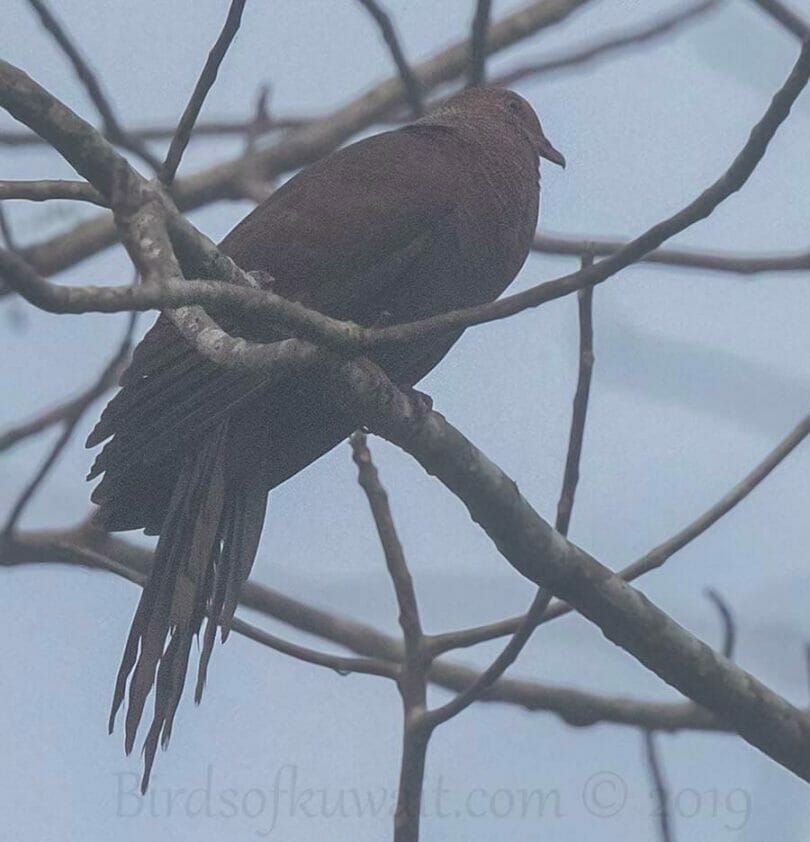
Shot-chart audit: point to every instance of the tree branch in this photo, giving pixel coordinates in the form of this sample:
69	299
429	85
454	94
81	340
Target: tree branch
729	627
541	601
311	141
546	558
595	49
40	191
112	128
786	16
412	677
662	796
369	481
576	436
652	560
204	83
731	181
85	546
410	83
71	408
740	264
478	42
71	414
204	128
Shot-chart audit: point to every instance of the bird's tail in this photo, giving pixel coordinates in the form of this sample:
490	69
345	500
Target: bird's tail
207	545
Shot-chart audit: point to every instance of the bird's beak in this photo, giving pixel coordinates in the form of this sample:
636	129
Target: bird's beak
548	152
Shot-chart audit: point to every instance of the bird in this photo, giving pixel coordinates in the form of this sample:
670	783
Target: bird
423	219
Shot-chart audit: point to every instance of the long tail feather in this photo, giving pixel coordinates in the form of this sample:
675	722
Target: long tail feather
207	545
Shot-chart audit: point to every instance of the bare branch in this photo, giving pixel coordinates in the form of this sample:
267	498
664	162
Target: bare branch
412	677
413	91
7	236
85	546
203	128
173	293
498	667
595	49
40	191
576	437
731	181
6	233
701	207
310	142
729	627
741	264
541	601
204	83
67	410
112	128
657	556
339	663
652	560
369	481
662	796
542	555
478	42
787	17
69	419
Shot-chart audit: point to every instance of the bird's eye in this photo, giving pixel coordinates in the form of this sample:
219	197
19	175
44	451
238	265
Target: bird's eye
514	105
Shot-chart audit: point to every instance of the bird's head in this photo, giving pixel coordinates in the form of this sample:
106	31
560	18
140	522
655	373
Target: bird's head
488	105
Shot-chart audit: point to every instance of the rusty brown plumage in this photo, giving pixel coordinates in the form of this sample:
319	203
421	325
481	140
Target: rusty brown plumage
434	216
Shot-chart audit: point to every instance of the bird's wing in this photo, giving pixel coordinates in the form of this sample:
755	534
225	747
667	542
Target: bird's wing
341	231
336	237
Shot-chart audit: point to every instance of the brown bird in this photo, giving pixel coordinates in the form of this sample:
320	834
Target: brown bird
428	218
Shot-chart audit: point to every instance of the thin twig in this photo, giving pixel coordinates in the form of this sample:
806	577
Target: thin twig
339	663
413	91
56	415
45	189
541	601
478	42
731	181
204	83
740	264
595	49
576	435
727	618
498	667
205	128
662	796
253	185
112	128
6	233
412	677
658	555
7	238
786	16
69	420
651	560
82	546
369	481
314	140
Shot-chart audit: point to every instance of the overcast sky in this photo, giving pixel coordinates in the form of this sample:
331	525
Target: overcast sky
697	376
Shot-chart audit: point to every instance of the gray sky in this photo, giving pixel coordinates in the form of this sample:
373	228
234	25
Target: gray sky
697	376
